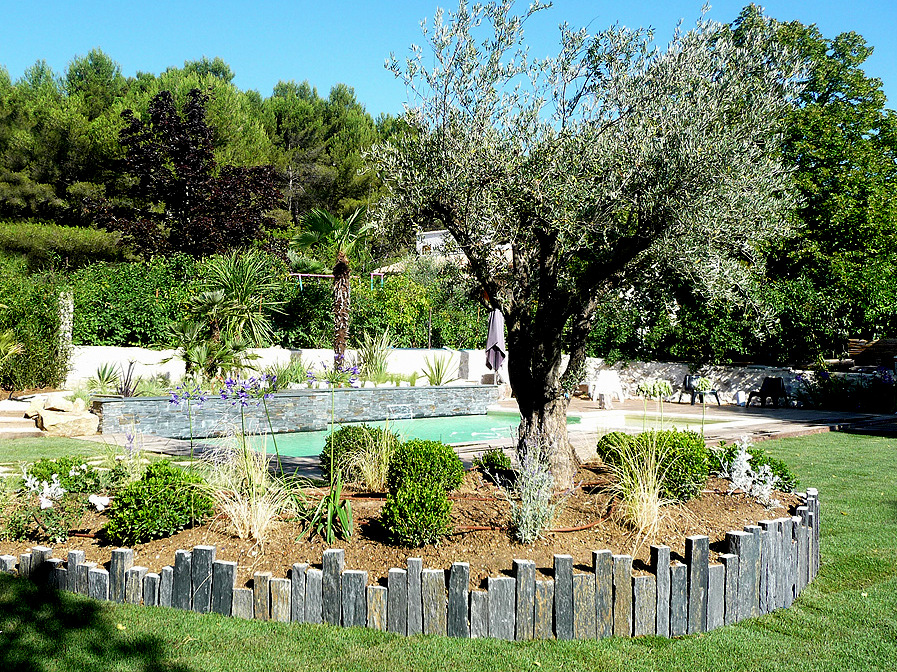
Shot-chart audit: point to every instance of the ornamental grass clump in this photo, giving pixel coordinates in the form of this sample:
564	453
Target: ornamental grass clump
360	453
685	465
245	492
639	469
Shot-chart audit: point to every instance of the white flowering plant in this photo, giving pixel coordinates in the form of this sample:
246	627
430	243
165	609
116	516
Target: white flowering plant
41	509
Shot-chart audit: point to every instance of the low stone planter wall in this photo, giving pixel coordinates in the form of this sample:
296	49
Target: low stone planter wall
766	568
292	410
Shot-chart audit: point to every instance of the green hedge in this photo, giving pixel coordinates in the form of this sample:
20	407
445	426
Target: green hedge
45	244
130	303
29	305
420	310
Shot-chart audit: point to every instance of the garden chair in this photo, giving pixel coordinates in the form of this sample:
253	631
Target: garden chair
772	388
607	383
689	387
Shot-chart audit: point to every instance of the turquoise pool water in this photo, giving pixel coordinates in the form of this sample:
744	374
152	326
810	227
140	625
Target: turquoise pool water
493	426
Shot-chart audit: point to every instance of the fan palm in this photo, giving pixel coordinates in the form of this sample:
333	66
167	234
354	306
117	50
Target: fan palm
338	238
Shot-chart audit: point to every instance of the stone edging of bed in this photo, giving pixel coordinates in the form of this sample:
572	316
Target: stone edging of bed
766	568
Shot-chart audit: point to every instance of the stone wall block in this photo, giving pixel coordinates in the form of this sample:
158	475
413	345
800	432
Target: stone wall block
622	595
525	574
660	566
501	606
458	590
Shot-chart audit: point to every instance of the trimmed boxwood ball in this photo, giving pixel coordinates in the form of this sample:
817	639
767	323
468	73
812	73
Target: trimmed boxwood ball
164	501
421	463
686	466
415	516
347	440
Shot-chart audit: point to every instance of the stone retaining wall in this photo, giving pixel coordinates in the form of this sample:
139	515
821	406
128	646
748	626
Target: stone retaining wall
766	568
291	411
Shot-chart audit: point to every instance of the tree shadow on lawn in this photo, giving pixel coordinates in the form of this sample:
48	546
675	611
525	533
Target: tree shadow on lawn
43	629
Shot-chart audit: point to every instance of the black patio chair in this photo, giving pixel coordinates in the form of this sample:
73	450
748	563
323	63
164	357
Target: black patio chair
772	388
688	386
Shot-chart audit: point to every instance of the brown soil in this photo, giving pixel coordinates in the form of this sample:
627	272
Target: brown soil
476	503
15	394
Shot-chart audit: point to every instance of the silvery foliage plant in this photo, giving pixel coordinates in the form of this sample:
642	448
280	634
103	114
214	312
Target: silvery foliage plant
533	509
758	484
567	180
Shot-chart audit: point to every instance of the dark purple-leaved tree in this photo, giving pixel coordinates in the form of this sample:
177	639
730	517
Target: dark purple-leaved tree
179	199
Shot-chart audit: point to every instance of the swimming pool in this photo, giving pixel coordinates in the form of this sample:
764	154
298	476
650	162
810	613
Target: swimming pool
489	428
493	426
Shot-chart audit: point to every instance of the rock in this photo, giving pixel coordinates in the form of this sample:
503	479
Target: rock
58	402
67	424
34	408
79	406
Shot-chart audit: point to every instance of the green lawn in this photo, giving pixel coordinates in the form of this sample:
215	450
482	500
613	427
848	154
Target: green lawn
29	450
844	621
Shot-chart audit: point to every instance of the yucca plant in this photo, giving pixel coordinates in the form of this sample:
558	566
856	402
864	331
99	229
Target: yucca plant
373	354
437	370
105	380
8	346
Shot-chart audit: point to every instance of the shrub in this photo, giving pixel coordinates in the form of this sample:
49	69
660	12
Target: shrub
492	459
75	474
165	500
724	455
46	244
685	464
424	464
350	440
534	486
25	518
496	467
416	515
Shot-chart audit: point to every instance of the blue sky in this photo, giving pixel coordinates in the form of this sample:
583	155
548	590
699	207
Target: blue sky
331	42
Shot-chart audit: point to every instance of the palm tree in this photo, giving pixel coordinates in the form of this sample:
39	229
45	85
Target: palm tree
338	238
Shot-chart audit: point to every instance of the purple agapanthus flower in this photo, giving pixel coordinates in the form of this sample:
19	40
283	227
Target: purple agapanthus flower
186	393
338	375
244	391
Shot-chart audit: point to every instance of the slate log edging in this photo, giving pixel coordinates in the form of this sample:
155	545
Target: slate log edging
766	568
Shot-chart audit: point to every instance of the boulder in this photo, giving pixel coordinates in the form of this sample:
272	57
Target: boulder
34	409
55	423
79	406
58	402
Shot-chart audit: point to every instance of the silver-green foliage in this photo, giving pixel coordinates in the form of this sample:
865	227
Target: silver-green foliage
532	508
588	170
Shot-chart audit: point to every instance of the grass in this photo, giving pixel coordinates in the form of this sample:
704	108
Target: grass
843	621
30	450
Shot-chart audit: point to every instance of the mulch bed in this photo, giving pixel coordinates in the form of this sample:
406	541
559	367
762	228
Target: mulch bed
589	514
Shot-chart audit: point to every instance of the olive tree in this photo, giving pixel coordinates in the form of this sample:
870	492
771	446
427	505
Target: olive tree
564	179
